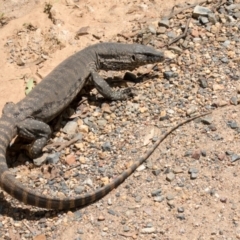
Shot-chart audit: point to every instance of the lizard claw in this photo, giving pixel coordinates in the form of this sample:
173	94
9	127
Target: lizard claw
127	93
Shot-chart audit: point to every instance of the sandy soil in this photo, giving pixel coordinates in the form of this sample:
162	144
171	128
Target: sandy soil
77	24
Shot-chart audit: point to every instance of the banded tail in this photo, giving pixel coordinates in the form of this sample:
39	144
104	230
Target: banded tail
23	194
27	196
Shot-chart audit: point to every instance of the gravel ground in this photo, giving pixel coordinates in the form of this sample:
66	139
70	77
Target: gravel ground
188	188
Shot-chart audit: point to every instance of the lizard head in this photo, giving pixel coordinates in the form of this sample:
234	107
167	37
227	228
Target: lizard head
119	56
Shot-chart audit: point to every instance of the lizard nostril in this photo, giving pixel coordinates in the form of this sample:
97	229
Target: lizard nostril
133	58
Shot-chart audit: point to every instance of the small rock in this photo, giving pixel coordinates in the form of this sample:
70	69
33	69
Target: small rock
193	170
203	20
217	87
181	216
169	74
79	189
88	182
112	212
193	175
177	170
156	172
170	176
152	29
171	204
170	55
180	209
53	158
107	146
170	197
234	100
237	15
148	230
196	154
101	218
164	23
201	11
207	120
19	62
212	18
70	128
41	160
126	229
161	30
204	153
70	159
232	124
235	157
221	156
221	39
158	199
141	168
223	199
156	192
203	83
83	128
40	237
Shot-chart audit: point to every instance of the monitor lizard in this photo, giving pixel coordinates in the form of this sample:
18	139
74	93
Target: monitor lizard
29	117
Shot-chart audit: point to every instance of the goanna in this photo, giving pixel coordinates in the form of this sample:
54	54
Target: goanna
29	117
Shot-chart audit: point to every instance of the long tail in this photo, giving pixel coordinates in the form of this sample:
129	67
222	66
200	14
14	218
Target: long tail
23	194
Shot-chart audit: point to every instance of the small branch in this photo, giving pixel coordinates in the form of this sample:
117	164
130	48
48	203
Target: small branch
172	14
61	144
182	35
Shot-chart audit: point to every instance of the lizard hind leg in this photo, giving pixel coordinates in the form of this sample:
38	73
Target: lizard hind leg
36	131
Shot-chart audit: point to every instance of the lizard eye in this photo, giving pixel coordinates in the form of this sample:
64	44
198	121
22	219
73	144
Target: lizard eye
133	58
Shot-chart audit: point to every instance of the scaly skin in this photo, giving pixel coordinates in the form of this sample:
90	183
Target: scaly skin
54	94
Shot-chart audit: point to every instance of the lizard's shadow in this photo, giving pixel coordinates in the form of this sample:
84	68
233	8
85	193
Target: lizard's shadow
18	213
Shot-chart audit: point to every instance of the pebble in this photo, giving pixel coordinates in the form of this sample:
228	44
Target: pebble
193	175
181	216
53	158
148	230
70	159
88	182
141	168
177	170
232	124
203	83
201	11
234	100
170	176
207	120
158	198
170	196
79	189
161	30
180	209
235	157
70	128
156	192
126	229
164	23
107	146
101	218
83	129
196	154
41	160
156	172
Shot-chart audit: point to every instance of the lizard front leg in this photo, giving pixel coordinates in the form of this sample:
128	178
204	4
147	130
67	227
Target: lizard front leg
36	131
104	89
